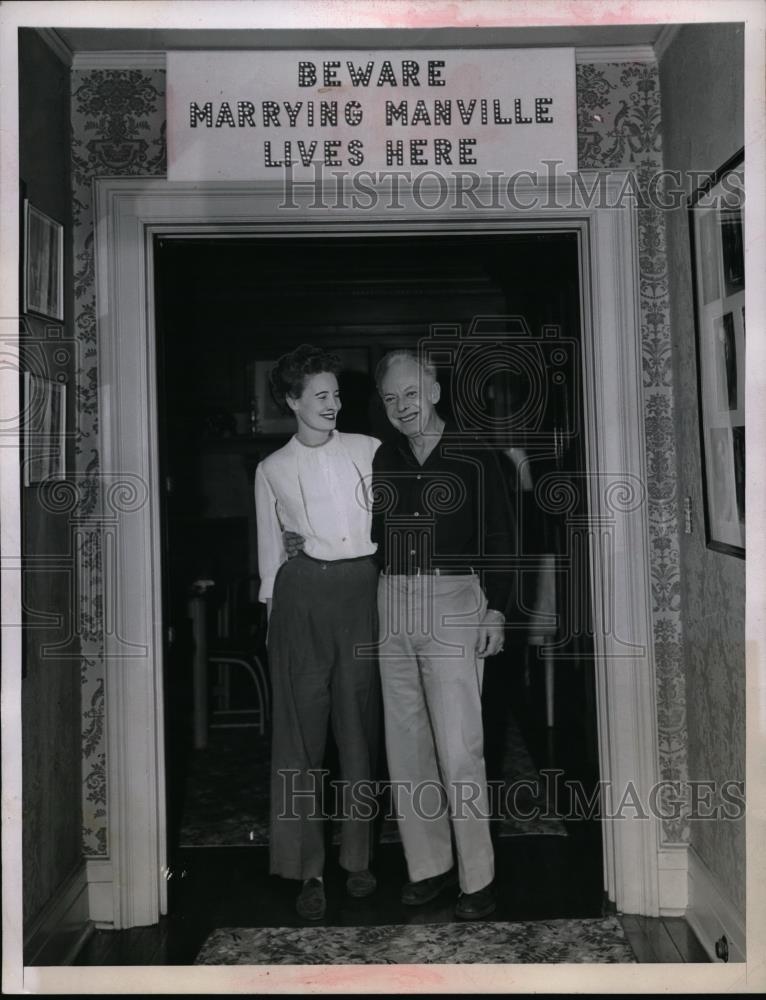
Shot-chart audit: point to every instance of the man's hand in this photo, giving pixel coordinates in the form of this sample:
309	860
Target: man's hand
293	543
491	637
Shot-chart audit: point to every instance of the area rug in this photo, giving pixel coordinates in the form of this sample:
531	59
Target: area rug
548	941
227	793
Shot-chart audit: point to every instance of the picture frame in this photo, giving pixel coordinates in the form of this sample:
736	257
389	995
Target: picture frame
43	264
718	281
44	423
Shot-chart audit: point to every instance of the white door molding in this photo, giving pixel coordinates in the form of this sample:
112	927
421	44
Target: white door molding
129	214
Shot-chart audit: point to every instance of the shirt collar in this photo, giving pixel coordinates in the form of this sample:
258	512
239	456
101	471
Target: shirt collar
403	445
315	449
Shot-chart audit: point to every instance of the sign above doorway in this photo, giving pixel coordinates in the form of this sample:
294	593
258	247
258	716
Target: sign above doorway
256	115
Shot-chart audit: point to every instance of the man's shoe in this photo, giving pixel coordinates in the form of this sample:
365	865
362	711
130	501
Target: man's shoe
475	905
361	884
311	903
417	893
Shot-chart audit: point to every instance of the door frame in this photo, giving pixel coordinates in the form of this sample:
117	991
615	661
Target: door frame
129	214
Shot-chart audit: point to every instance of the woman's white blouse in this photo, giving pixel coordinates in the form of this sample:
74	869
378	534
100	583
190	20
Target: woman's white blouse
322	493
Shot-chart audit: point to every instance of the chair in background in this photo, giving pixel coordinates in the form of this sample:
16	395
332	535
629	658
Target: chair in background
228	628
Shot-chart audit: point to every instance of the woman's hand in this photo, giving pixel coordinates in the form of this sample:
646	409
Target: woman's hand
491	637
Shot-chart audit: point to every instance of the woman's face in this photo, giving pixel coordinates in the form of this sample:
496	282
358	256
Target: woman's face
319	403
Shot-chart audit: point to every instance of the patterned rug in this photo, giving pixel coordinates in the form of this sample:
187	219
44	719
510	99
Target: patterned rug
548	941
227	793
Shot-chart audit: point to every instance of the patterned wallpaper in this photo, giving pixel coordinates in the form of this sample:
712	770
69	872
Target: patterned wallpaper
118	128
618	109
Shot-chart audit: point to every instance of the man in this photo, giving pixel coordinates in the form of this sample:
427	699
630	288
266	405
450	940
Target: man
441	512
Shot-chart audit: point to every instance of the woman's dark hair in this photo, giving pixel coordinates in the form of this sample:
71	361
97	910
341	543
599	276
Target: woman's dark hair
288	376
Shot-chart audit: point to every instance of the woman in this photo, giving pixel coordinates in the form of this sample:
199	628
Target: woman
322	610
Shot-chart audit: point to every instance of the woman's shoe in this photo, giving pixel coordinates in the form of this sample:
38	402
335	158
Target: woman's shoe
361	884
311	903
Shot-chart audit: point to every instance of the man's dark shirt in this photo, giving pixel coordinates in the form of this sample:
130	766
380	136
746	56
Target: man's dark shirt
454	512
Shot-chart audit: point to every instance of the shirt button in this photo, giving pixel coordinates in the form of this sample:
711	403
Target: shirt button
412	552
419	477
416	514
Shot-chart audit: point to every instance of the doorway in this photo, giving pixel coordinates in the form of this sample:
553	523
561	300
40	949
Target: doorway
225	309
130	214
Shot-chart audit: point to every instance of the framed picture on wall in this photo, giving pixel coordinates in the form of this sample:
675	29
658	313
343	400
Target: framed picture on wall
44	421
718	272
43	266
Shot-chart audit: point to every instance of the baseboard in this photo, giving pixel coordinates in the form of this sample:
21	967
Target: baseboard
101	892
56	935
711	914
673	871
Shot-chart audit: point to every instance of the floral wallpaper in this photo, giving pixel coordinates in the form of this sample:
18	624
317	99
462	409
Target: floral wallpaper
618	111
118	127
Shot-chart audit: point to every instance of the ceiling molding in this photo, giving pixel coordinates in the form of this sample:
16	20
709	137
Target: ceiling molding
119	59
615	53
664	39
56	44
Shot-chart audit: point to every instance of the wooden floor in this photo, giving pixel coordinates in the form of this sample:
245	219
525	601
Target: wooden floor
663	939
538	878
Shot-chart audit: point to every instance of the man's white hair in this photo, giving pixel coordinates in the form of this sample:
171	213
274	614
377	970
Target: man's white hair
402	354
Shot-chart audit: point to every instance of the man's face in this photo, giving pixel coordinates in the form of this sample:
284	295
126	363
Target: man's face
319	403
409	396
